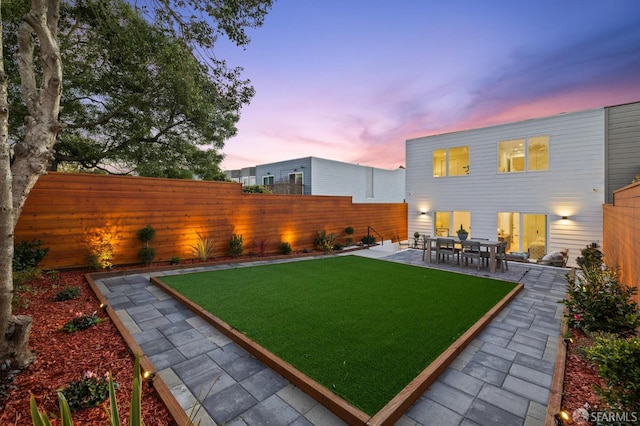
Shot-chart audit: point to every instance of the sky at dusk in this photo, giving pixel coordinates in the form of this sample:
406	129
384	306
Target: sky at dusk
352	80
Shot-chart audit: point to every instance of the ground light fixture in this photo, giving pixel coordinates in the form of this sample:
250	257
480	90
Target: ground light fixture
563	418
149	376
104	307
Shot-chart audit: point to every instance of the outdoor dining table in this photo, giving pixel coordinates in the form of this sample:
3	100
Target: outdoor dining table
489	244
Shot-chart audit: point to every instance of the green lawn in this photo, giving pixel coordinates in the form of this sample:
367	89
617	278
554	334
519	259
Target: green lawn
363	328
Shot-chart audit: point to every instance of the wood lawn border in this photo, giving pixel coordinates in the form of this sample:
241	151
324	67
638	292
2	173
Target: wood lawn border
391	412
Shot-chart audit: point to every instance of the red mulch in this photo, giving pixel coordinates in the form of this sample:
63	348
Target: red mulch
61	358
579	379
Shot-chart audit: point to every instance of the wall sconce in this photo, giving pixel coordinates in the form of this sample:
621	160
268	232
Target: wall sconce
423	213
564	217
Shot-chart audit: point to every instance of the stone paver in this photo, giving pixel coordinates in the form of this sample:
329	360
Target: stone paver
502	377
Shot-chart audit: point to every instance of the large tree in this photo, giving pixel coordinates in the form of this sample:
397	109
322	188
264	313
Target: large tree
197	23
156	110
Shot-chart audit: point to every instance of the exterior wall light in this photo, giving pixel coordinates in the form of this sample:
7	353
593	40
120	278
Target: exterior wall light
564	217
423	213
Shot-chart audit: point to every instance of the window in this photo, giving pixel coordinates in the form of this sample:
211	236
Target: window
524	232
296	183
448	223
451	161
521	155
268	180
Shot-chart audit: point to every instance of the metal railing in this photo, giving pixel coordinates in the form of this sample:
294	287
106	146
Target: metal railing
369	229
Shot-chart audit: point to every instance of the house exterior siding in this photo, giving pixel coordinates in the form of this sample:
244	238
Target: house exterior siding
572	186
327	177
623	146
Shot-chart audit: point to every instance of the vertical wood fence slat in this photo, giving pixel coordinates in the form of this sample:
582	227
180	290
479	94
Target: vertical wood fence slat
621	233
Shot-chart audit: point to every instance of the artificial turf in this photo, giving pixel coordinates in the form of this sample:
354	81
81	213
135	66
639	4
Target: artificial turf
363	328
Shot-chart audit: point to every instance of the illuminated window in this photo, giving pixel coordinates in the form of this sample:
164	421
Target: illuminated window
448	223
524	232
451	162
521	155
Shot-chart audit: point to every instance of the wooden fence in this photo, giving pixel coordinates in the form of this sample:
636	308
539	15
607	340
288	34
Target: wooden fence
68	211
621	233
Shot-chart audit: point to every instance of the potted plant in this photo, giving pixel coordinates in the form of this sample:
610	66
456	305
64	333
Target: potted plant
462	233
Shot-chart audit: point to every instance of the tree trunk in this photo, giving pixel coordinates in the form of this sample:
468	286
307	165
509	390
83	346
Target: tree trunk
6	213
30	156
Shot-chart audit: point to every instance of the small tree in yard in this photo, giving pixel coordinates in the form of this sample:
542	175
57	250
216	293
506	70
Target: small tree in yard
22	162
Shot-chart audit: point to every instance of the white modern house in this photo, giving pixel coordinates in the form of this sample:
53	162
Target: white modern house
318	176
539	184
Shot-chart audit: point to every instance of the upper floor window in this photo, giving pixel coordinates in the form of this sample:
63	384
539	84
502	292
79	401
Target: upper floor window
522	155
451	161
268	180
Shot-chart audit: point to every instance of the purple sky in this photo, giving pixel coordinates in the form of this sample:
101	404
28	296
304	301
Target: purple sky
352	80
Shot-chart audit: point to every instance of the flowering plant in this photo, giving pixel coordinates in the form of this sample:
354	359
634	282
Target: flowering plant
90	391
82	322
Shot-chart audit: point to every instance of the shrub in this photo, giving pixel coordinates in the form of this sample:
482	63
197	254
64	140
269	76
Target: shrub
146	235
28	254
324	241
349	231
285	248
82	322
175	260
205	247
67	293
597	301
89	391
101	243
147	254
256	189
368	239
261	244
337	247
236	245
618	362
591	257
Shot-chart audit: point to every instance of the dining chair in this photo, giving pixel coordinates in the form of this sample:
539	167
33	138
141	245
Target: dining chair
445	247
470	250
501	256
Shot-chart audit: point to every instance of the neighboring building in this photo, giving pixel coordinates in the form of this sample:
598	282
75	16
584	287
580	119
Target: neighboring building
538	184
317	176
246	176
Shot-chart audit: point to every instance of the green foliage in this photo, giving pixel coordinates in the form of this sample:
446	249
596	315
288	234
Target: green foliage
82	322
101	243
461	230
28	254
40	417
21	288
285	248
349	231
618	362
256	189
147	254
591	257
337	247
165	113
324	241
205	246
597	301
89	391
67	293
175	260
236	245
368	239
146	234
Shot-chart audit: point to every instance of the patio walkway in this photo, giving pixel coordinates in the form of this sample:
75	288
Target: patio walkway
502	377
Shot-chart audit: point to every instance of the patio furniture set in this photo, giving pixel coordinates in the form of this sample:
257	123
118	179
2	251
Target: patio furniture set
454	250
